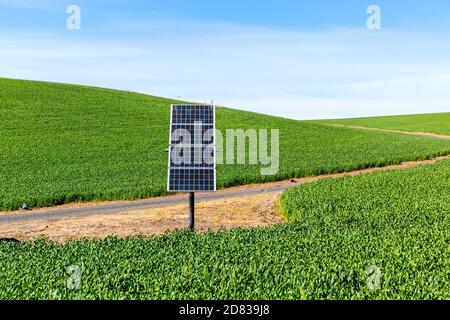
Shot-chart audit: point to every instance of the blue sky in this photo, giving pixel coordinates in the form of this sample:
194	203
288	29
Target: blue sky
298	59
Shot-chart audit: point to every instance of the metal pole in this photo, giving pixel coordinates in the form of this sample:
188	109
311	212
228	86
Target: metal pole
191	211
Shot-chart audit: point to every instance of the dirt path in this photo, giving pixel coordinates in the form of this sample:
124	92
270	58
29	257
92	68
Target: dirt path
253	211
422	134
245	206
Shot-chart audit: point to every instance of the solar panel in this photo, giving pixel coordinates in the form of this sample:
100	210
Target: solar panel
192	163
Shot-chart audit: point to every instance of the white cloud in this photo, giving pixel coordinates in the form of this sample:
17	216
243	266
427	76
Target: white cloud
332	73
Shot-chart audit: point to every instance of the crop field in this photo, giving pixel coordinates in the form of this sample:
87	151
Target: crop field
438	123
338	231
65	143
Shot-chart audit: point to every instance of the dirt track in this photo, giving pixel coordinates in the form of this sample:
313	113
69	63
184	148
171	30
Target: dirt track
246	206
422	134
254	211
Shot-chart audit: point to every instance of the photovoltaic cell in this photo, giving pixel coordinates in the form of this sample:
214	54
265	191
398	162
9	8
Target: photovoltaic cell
192	149
189	114
191	180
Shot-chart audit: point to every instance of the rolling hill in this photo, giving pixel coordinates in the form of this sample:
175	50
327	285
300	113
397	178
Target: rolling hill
66	143
63	143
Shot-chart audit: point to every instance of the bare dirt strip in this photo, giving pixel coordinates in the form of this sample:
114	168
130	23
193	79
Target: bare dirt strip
246	206
413	133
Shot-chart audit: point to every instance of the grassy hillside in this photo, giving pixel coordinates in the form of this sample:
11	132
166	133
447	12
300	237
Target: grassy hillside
433	123
398	221
64	143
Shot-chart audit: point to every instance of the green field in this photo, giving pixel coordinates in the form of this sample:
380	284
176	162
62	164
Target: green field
398	221
438	123
65	143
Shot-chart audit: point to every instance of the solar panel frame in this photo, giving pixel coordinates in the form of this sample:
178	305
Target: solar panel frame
173	186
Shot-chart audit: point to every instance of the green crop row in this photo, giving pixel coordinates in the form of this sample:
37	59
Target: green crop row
394	226
64	143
